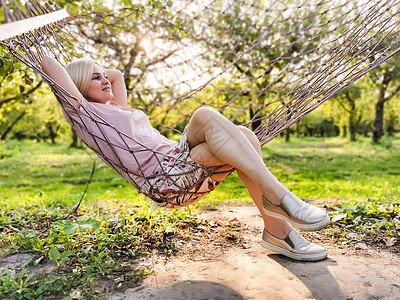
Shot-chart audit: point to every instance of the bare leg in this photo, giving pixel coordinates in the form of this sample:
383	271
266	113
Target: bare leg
202	155
277	227
230	145
218	142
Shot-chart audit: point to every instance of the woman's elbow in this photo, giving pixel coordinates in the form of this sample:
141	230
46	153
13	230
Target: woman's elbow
45	60
48	63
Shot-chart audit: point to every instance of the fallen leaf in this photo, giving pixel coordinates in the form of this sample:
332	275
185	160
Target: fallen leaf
390	241
339	217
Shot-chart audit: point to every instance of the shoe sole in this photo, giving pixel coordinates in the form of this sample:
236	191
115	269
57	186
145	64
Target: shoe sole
306	227
296	256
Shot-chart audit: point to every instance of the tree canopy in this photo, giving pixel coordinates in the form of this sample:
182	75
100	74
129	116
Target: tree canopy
177	56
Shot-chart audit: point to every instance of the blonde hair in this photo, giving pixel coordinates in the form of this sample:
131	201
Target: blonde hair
81	72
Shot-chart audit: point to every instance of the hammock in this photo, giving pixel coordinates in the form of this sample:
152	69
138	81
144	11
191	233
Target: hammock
353	38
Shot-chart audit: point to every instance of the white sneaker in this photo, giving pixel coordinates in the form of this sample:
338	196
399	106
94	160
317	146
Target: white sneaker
294	246
300	214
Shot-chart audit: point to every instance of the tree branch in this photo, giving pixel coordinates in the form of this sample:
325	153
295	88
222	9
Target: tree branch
8	129
393	94
24	95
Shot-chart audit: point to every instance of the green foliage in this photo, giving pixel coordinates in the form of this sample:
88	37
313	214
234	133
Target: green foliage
316	124
29	286
27	108
369	216
6	65
87	250
247	85
355	221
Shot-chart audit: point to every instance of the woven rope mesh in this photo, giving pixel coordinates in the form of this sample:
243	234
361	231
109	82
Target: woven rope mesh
264	64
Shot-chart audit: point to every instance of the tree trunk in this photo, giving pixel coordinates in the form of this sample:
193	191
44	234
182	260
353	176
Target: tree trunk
52	131
256	123
352	128
287	135
75	140
298	129
390	123
344	131
378	122
8	129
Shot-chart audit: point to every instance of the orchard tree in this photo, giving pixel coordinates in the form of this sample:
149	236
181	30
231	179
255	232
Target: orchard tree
386	79
17	86
349	100
260	46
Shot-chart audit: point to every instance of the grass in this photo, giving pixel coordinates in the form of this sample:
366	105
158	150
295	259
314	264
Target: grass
328	169
334	168
41	183
55	175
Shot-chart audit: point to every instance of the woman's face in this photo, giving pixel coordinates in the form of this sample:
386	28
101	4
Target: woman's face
99	87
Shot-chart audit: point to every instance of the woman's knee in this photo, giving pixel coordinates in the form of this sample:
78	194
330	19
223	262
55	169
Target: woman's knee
203	114
200	123
253	139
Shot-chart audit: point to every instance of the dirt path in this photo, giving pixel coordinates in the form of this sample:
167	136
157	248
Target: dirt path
252	272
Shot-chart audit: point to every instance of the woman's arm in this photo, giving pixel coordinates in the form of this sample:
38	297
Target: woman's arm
116	79
58	73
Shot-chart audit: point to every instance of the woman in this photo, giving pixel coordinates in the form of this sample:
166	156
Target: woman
210	141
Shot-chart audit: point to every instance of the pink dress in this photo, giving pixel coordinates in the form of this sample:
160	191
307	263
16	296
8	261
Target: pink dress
124	139
136	147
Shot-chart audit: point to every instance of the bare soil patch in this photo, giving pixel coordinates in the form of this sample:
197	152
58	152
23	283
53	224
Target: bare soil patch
224	260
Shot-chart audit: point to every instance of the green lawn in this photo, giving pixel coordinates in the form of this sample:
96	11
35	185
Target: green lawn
41	183
334	168
37	174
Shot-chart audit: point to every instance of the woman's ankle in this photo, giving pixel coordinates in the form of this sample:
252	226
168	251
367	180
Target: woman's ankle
275	199
280	232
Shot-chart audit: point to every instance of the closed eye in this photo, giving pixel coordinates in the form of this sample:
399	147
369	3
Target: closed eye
98	77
